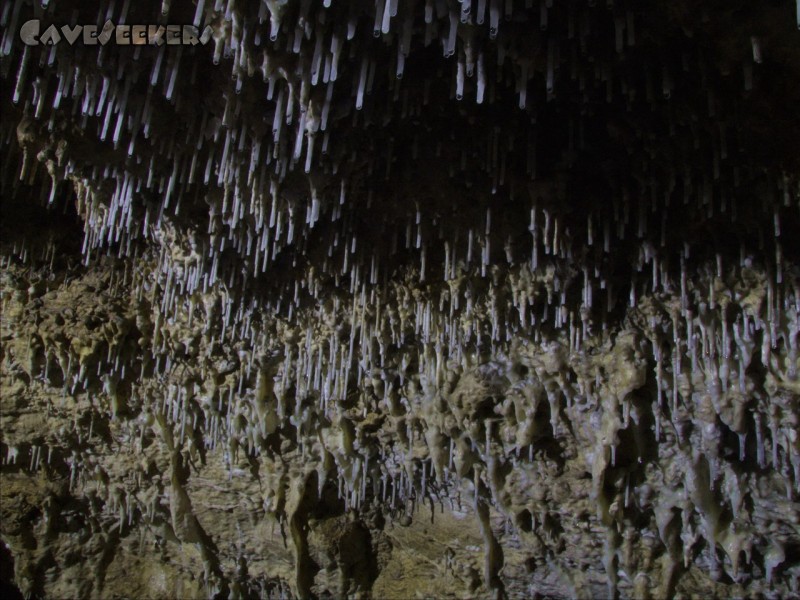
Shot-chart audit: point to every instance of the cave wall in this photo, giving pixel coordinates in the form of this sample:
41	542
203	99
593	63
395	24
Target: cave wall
380	299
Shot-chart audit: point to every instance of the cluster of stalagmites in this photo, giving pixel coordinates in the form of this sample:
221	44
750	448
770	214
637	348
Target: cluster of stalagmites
689	447
515	256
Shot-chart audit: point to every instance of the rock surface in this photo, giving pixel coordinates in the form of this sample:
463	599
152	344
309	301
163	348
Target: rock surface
403	299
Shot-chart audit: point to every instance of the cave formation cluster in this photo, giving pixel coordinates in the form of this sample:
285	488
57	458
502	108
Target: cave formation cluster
381	298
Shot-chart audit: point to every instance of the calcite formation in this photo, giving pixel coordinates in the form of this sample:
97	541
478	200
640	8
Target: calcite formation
402	298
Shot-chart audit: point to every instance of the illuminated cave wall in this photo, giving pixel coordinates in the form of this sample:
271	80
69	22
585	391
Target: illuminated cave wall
489	298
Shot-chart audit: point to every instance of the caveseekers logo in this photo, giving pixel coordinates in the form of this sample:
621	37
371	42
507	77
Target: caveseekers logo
32	34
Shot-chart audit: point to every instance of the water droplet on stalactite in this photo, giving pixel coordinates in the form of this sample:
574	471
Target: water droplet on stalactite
494	18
